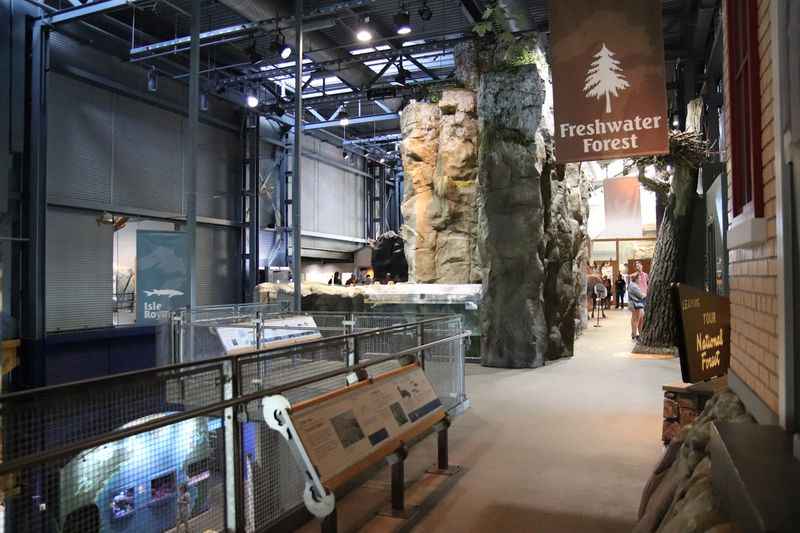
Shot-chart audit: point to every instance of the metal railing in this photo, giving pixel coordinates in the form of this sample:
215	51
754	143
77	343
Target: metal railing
185	444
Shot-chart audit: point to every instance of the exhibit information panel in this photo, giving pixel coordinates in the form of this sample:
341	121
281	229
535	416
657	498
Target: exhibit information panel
347	428
705	333
275	333
609	91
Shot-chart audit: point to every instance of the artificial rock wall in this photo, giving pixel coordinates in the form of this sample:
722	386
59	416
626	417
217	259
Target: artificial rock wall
484	201
439	151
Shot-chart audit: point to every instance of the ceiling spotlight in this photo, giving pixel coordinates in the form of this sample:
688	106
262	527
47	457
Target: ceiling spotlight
401	77
344	118
152	80
363	32
278	46
345	155
383	160
676	122
252	99
425	12
402	23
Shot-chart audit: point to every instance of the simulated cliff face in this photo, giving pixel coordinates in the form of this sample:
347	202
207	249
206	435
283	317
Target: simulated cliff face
532	214
439	151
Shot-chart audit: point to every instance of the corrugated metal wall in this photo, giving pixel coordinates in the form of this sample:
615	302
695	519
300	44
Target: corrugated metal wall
110	152
79	270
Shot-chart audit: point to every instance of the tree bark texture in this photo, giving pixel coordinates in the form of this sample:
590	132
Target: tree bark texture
669	261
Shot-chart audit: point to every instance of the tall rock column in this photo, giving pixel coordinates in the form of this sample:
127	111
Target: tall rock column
419	125
440	153
453	208
514	157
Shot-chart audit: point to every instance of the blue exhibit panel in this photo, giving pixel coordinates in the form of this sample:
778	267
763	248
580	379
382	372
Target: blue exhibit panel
133	484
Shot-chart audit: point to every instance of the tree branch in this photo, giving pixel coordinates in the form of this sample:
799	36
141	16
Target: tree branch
659	187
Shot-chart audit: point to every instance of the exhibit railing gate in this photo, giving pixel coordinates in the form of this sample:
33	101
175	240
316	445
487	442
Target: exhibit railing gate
186	444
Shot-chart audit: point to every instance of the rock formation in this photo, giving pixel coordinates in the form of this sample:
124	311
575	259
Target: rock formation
678	497
440	164
484	201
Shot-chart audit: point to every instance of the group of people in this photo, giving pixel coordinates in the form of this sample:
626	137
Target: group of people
599	291
361	277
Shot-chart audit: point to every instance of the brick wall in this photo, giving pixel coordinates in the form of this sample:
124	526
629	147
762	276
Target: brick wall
753	271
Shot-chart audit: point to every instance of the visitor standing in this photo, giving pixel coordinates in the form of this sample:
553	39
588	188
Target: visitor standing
591	280
644	277
607	283
636	301
620	289
184	505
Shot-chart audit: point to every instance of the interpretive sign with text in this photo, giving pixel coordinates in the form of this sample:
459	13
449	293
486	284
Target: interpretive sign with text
160	274
341	431
705	333
608	79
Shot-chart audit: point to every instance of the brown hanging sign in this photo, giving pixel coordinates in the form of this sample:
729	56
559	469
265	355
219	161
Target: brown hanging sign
609	90
704	332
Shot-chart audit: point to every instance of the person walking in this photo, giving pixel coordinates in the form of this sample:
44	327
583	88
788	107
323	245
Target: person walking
620	291
636	298
184	511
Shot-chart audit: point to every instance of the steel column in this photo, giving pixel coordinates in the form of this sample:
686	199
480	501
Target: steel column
34	215
298	159
190	184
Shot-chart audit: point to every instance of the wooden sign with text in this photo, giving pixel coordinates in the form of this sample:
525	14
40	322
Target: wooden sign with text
610	95
348	429
704	331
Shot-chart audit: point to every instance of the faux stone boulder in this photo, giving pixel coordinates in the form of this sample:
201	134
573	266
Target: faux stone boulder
439	152
515	155
678	497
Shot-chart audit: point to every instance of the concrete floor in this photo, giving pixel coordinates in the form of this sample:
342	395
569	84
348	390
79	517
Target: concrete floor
564	448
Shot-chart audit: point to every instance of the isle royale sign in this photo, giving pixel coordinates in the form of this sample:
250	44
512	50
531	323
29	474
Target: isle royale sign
608	79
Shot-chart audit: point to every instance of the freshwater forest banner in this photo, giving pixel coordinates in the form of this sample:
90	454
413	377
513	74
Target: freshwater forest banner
608	79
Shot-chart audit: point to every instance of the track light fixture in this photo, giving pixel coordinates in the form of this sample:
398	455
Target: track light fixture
401	77
363	31
345	155
152	80
402	21
425	12
203	101
252	98
344	118
279	47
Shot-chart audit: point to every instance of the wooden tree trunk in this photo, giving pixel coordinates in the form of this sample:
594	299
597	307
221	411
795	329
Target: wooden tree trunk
669	261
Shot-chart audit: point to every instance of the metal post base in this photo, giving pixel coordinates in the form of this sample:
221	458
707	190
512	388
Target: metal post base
330	523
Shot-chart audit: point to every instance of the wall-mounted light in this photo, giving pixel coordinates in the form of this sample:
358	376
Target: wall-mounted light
676	121
402	22
152	80
363	31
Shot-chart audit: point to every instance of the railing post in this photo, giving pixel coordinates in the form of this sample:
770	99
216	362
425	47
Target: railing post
232	452
420	342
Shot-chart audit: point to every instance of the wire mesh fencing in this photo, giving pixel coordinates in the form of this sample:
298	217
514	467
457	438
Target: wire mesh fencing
185	447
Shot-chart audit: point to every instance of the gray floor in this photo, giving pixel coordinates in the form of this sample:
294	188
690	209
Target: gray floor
564	448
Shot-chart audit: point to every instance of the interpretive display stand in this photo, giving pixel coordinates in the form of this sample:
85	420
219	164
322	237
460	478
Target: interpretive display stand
337	436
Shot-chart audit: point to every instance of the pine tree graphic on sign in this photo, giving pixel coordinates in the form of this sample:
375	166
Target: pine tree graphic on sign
605	77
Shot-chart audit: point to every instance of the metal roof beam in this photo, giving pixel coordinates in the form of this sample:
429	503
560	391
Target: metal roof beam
355	120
